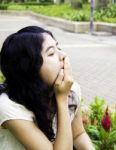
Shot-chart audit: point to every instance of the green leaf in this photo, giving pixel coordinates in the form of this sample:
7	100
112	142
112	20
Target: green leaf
115	147
93	132
97	144
112	137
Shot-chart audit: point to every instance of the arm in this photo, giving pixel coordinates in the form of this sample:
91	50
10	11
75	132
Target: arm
81	140
64	132
62	88
28	134
32	137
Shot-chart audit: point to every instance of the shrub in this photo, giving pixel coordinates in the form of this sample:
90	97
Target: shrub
100	124
3	6
107	13
65	11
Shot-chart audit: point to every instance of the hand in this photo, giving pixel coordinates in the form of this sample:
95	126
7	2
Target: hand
64	80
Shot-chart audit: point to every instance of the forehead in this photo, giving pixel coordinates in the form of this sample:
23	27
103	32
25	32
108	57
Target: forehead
48	41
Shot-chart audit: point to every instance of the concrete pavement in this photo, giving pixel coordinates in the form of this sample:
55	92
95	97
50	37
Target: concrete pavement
93	58
71	26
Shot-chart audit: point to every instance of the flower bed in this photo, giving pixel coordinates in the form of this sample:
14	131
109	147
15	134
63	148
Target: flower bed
100	123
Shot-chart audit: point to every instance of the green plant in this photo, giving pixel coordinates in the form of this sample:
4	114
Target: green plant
113	117
65	11
85	1
107	14
3	6
101	126
96	108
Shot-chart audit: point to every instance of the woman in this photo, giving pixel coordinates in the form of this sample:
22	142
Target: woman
39	98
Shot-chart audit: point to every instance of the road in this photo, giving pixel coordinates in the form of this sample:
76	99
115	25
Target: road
93	58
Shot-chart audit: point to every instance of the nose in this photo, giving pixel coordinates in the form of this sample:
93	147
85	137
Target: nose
62	55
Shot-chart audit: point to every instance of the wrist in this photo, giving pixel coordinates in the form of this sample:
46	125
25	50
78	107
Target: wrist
62	100
62	97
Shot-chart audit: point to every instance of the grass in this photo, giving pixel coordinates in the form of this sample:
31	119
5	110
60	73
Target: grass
65	11
62	10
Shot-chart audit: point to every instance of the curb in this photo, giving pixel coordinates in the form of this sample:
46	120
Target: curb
72	26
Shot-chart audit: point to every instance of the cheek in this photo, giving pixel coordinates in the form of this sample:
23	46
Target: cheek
49	72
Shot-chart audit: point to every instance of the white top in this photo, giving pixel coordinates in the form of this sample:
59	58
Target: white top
12	110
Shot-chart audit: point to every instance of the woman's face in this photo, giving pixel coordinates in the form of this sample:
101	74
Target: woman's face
53	60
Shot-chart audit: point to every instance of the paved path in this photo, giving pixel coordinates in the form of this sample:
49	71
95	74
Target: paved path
93	58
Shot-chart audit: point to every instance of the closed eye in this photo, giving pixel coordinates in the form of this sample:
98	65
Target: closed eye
51	52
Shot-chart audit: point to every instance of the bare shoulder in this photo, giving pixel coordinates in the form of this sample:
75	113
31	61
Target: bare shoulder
28	134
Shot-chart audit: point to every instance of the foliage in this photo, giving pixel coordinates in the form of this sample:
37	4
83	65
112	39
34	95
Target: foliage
65	11
85	1
3	6
108	14
102	139
96	109
26	2
77	16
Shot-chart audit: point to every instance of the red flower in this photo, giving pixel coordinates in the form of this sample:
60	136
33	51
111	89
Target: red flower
106	121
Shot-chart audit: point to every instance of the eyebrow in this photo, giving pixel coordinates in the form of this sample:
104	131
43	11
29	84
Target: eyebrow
50	47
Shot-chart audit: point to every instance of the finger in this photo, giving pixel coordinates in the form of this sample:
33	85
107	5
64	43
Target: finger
59	78
67	69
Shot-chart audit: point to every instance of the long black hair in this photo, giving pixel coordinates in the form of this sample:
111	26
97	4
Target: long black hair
20	61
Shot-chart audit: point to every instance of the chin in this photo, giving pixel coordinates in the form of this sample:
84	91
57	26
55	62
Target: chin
54	80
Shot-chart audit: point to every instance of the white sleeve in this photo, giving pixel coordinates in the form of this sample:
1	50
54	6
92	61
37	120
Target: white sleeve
77	90
12	110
